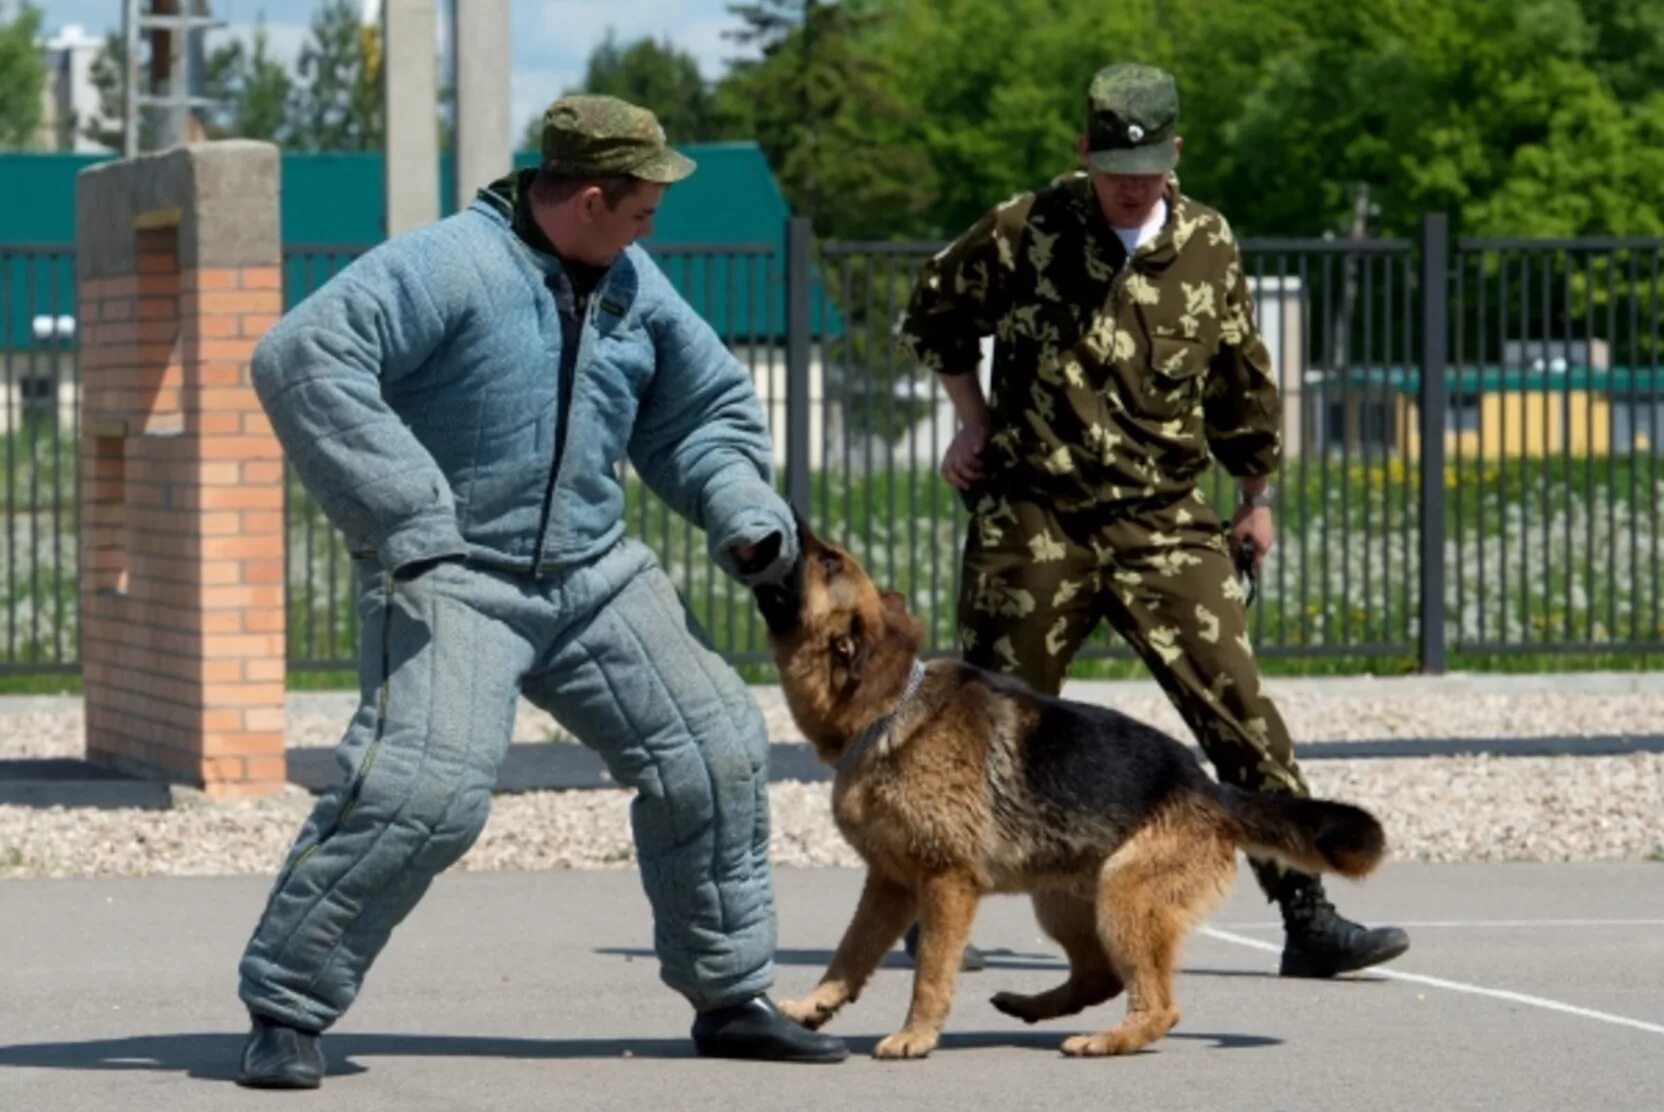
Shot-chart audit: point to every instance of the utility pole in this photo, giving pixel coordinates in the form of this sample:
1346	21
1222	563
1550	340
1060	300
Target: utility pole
410	76
174	38
1358	232
809	109
482	47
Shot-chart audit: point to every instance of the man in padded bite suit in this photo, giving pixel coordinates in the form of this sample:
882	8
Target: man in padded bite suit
457	400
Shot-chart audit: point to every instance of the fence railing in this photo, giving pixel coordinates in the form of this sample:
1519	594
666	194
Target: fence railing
39	432
1472	440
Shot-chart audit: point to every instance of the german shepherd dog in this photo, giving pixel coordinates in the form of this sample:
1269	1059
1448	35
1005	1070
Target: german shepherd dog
953	783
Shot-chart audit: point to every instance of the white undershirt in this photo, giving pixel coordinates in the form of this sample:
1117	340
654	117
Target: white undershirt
1134	238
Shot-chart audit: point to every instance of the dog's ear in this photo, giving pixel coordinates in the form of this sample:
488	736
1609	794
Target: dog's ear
898	621
805	535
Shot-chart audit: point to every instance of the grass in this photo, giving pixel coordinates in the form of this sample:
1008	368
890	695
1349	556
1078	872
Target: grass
40	683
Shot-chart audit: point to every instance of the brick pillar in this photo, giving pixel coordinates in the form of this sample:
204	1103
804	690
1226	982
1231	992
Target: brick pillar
182	649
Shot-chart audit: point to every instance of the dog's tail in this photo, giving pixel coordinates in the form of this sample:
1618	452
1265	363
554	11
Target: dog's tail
1313	835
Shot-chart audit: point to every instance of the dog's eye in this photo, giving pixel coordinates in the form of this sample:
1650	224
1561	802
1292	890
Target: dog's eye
831	563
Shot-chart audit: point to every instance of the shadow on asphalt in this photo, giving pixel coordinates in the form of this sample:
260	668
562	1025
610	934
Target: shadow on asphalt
212	1056
997	960
896	959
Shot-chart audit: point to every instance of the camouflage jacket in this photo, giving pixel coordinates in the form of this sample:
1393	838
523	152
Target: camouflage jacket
1111	382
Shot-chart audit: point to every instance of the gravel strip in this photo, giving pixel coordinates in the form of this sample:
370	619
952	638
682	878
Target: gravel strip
51	726
1435	809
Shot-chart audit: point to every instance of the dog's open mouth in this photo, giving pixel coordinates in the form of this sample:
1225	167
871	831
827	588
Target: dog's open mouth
782	602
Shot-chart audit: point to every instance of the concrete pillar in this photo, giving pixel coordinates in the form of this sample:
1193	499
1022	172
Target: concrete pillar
410	69
183	653
484	145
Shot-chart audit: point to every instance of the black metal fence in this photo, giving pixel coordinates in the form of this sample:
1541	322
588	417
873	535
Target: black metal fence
39	432
1472	445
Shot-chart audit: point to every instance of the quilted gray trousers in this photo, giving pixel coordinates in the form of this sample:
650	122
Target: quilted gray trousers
609	651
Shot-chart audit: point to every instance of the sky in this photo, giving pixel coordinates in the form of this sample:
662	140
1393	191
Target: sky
551	38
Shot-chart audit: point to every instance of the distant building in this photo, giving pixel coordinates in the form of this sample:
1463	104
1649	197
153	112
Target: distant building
69	99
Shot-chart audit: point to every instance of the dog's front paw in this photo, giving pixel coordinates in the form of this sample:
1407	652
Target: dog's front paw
807	1012
906	1044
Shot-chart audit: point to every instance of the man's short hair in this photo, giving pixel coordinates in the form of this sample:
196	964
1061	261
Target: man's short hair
549	189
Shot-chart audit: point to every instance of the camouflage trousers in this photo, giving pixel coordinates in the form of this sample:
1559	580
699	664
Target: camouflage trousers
1035	585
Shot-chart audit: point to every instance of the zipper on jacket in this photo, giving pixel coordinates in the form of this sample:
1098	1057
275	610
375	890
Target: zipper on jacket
571	333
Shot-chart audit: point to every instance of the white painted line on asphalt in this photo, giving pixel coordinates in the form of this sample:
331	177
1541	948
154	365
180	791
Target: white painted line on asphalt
1458	986
1268	925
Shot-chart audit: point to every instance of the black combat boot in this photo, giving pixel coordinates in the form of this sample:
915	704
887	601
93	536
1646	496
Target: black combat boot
972	962
755	1029
1319	943
277	1056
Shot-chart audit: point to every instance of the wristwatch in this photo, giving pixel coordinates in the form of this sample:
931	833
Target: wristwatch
1263	498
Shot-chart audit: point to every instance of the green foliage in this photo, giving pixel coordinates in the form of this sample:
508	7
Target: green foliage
105	128
996	92
1541	117
333	103
22	76
339	102
253	89
821	102
1502	115
909	118
656	75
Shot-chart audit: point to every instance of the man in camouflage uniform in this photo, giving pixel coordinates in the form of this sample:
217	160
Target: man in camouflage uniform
1125	353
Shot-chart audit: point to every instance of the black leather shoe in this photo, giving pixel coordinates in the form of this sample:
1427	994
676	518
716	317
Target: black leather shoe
280	1057
972	962
1319	942
759	1031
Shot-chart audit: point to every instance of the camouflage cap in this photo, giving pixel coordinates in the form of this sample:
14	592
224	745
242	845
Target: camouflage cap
1132	118
599	137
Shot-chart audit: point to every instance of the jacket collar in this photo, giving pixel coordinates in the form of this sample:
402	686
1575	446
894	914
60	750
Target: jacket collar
1155	256
507	203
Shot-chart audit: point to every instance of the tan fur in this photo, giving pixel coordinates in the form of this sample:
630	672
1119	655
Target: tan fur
918	806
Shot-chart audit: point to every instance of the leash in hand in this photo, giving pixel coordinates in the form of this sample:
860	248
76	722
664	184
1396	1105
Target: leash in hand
1247	570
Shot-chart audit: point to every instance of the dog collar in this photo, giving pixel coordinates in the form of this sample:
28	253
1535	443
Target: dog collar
880	726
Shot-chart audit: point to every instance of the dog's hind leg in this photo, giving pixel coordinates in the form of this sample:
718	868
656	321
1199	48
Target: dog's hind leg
947	905
885	910
1154	889
1073	923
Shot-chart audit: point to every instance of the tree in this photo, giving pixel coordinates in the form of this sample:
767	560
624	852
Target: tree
1538	116
819	101
657	76
1626	44
108	67
252	89
1504	116
339	104
22	77
991	93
